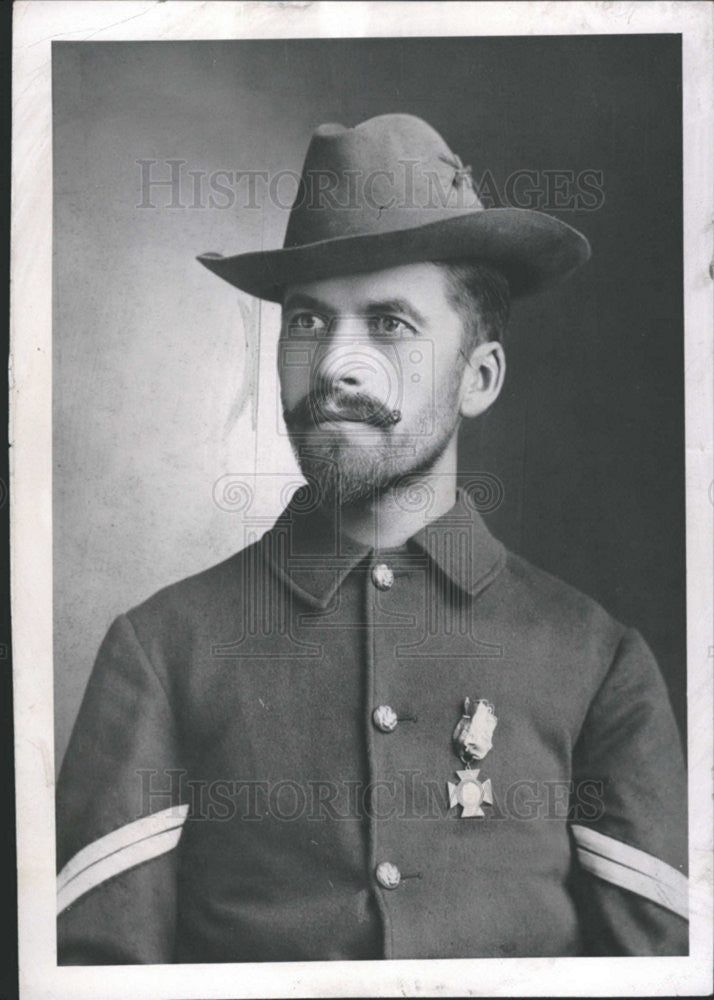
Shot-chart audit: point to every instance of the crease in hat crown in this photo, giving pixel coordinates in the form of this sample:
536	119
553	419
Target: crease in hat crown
390	191
390	173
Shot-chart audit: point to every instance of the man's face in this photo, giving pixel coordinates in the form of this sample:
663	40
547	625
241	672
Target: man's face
370	373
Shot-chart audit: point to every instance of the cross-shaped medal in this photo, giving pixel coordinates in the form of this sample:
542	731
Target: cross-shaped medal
470	793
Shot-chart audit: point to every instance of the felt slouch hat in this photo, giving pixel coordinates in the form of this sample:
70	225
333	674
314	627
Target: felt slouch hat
391	192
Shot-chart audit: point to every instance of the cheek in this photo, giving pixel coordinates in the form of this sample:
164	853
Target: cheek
449	368
294	367
417	369
430	375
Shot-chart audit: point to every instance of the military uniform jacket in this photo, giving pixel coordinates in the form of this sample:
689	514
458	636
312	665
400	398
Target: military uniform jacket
263	768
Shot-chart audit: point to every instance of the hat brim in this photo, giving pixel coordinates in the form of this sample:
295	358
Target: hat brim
531	249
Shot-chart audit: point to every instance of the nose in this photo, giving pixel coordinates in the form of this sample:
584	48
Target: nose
350	362
350	367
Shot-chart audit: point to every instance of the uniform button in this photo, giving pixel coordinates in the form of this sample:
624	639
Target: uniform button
382	577
388	875
385	718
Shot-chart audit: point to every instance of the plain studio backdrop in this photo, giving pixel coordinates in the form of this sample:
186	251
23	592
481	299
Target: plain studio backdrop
165	395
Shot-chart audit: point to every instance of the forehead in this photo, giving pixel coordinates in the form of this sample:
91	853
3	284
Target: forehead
421	285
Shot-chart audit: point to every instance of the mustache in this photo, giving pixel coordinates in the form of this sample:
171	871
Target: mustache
337	405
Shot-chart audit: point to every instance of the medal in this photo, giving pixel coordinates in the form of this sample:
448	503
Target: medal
471	740
470	793
473	736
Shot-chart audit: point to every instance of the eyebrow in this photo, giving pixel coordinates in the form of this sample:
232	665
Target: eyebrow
402	306
299	300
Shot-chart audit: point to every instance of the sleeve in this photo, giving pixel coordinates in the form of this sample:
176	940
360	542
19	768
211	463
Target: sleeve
629	814
119	815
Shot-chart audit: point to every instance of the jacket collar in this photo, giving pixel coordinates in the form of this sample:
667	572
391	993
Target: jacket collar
307	550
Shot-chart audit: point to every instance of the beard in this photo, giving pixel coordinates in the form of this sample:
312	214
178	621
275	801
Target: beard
346	468
345	474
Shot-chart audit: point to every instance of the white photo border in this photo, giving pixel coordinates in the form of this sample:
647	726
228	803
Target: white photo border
37	23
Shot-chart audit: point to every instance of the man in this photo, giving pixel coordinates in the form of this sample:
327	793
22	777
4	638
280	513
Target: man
375	733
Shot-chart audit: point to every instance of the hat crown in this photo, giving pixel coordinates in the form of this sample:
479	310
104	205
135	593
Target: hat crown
389	173
390	192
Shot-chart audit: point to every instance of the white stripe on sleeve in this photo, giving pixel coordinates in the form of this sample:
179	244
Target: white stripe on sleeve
119	850
632	869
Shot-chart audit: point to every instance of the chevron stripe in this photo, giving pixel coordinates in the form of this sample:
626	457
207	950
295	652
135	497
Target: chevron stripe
632	869
119	850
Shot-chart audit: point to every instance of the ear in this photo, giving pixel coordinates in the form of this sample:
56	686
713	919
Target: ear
482	379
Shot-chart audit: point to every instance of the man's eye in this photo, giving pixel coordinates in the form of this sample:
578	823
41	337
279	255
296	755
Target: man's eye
306	323
390	326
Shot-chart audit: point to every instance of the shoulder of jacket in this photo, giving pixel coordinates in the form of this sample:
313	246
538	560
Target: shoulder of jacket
201	595
552	599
